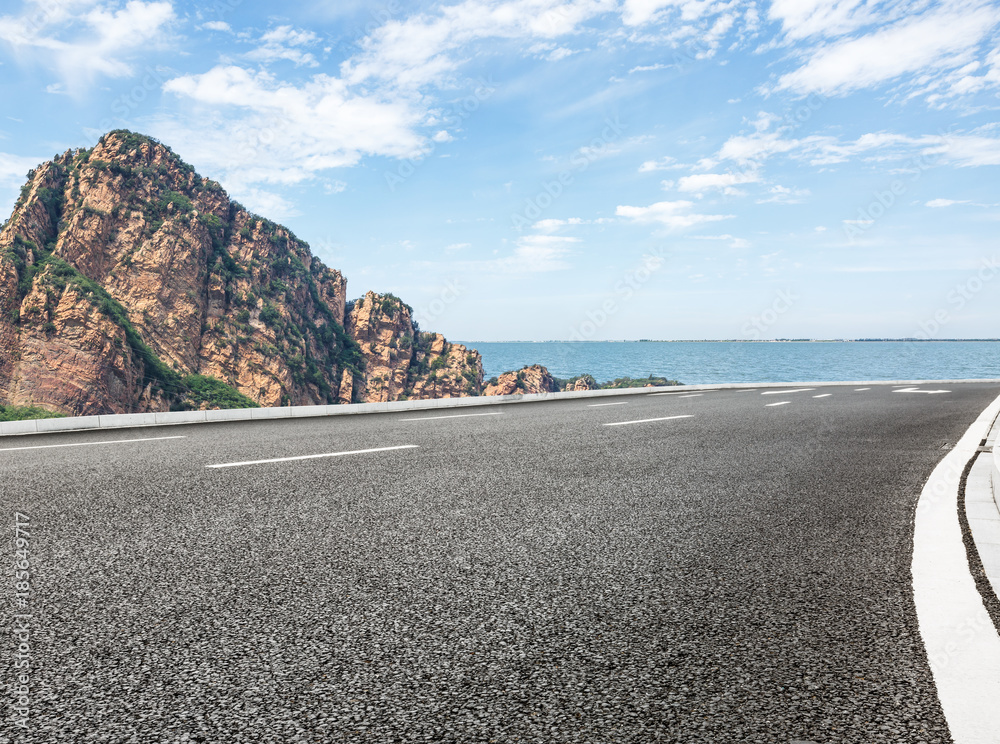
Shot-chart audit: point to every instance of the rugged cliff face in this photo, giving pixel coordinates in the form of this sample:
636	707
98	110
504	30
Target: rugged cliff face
130	283
400	361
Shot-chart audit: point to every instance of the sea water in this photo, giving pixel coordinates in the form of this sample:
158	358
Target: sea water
706	362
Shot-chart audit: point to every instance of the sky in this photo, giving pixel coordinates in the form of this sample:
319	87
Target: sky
567	169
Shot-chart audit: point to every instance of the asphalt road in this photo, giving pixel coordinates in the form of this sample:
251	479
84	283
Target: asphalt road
528	574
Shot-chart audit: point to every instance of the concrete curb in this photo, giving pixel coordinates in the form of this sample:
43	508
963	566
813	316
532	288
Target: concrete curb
995	472
958	633
132	420
982	508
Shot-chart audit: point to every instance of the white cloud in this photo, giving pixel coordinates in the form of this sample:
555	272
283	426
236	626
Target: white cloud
665	163
273	206
593	153
290	36
284	43
801	19
220	26
417	51
961	149
784	195
647	68
675	215
82	40
734	242
560	53
702	182
13	169
535	254
938	40
252	128
755	148
552	225
639	12
964	150
944	202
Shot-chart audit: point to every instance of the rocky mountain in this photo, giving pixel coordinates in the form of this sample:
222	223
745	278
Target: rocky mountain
129	283
400	361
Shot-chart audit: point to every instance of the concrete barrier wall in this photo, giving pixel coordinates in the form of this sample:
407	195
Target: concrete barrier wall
995	475
128	420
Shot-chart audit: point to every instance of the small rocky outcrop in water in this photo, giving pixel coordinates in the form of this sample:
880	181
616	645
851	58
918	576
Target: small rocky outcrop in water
584	382
530	380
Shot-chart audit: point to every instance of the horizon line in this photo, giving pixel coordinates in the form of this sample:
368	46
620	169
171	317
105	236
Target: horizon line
732	340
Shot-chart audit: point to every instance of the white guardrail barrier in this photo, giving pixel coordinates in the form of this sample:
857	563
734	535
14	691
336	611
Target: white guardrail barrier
123	420
127	420
995	475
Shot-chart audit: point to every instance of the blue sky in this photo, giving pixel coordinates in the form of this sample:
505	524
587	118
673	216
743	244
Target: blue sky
552	169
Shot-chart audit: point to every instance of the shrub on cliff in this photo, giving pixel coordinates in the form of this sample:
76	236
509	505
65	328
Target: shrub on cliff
217	394
25	413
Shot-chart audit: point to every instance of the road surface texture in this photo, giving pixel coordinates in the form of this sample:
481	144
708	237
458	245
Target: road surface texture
517	573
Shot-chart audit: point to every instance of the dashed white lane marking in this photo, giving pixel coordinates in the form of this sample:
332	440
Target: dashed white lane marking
916	390
692	395
782	403
824	395
457	415
786	392
858	390
312	457
598	405
646	421
88	444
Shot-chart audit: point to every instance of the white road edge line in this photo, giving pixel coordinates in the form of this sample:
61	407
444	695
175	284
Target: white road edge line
88	444
456	415
961	642
824	395
646	421
781	403
692	395
312	457
598	405
680	393
786	392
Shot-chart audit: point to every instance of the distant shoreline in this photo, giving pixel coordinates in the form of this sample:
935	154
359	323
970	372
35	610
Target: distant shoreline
745	341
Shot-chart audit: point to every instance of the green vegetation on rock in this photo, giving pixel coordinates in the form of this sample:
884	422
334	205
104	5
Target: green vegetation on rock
634	382
26	413
566	383
217	394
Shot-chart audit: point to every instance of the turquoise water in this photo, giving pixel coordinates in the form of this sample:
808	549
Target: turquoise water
701	362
